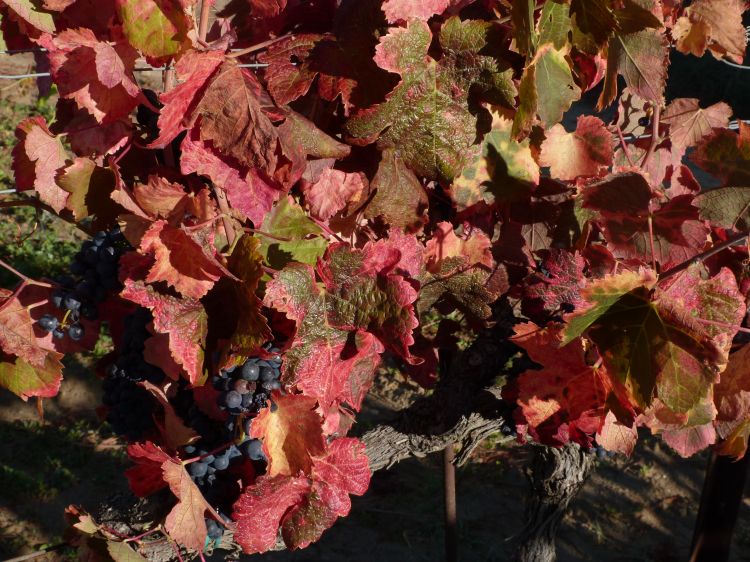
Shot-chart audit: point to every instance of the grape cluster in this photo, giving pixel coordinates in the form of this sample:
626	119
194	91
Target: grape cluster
244	391
602	453
130	406
93	275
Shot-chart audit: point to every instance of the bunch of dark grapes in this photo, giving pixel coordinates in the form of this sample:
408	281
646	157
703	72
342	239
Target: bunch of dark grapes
245	390
602	453
93	275
131	407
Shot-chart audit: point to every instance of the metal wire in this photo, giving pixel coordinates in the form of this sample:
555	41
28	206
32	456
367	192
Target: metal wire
138	69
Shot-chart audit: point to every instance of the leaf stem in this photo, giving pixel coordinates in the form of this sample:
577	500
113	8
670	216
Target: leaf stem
266	234
651	241
221	199
654	136
24	278
733	241
37	204
203	21
723	325
259	46
624	145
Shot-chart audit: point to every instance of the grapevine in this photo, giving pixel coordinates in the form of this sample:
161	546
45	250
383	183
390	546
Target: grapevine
317	187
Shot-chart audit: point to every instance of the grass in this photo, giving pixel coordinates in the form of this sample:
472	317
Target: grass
38	245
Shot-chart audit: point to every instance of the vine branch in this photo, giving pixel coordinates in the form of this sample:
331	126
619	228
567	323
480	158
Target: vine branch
703	256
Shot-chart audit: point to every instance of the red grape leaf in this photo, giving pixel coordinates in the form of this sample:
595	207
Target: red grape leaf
232	117
26	380
157	28
616	436
303	508
160	198
625	208
37	158
87	137
735	444
726	154
95	74
657	342
444	244
403	10
344	466
585	152
186	523
251	330
90	187
146	477
560	284
715	25
260	508
338	370
291	433
173	430
689	123
641	59
466	288
732	396
193	69
121	551
185	320
29	12
334	191
426	116
246	190
17	332
400	199
568	395
180	261
725	207
156	352
503	169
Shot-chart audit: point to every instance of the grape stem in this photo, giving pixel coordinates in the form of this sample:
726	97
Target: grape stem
37	204
258	47
624	145
654	136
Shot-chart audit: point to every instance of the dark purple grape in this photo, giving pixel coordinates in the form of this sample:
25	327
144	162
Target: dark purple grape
75	331
253	449
250	371
233	399
48	322
197	469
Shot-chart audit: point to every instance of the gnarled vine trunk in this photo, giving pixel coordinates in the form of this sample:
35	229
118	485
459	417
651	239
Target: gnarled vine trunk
555	475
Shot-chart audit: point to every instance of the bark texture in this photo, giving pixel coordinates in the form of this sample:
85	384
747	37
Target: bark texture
555	476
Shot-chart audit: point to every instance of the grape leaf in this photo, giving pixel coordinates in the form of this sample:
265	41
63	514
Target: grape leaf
726	155
732	396
689	123
232	117
468	289
251	330
291	433
173	430
554	24
121	552
90	187
157	28
344	466
29	12
17	332
560	284
715	25
37	158
193	70
403	10
616	436
185	320
146	476
641	59
595	17
425	118
567	397
624	206
96	75
725	207
293	236
186	523
444	245
333	191
26	380
247	191
664	341
502	169
400	199
179	260
585	152
260	508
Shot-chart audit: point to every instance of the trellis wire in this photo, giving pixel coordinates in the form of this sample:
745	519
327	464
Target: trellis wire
138	69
